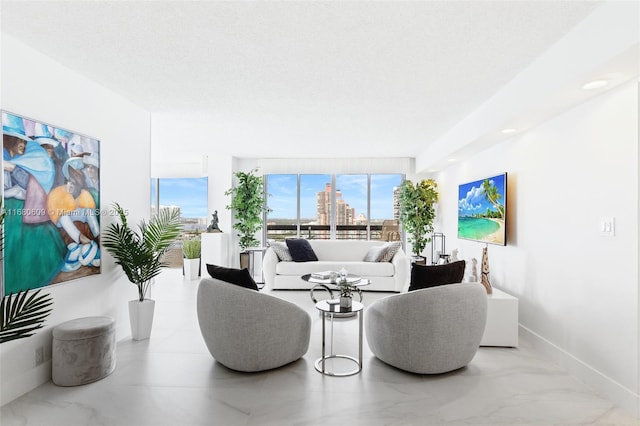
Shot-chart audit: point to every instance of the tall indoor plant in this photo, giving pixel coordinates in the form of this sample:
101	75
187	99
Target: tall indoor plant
140	256
417	212
247	204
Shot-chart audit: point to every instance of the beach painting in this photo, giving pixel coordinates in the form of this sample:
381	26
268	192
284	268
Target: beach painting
482	210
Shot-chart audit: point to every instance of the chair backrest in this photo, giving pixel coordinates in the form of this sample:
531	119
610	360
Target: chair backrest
247	330
433	330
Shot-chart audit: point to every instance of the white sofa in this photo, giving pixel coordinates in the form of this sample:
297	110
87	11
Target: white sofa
334	255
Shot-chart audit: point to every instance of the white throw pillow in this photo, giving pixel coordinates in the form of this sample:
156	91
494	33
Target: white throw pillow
374	254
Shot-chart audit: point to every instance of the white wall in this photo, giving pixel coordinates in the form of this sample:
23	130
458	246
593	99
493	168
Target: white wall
578	290
35	86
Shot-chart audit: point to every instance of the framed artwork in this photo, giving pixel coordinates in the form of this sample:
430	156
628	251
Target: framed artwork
51	198
482	211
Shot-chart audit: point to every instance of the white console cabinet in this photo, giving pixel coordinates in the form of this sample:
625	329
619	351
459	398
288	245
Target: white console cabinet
215	249
502	320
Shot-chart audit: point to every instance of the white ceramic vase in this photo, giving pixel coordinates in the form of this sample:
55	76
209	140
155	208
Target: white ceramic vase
141	318
191	269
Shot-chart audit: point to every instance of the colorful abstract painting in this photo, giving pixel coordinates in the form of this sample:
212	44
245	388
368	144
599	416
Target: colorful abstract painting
482	210
51	198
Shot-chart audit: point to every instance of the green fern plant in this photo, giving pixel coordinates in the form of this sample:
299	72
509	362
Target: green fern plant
140	253
22	314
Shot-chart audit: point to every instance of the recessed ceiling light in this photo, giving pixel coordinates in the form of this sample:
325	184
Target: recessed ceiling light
507	131
595	84
451	160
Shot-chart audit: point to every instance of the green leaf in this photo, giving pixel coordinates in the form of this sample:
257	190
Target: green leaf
21	314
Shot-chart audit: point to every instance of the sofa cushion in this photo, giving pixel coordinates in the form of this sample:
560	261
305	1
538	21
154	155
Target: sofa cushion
374	254
240	277
435	275
389	250
281	250
301	250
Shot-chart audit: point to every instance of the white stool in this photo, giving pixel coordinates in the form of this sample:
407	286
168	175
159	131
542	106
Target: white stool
83	351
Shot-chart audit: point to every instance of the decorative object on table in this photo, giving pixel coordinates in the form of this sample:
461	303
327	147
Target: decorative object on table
140	256
454	255
438	247
213	226
482	210
417	212
485	270
48	219
474	270
191	250
435	275
247	204
346	291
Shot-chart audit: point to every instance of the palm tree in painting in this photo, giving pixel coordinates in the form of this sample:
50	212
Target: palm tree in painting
493	196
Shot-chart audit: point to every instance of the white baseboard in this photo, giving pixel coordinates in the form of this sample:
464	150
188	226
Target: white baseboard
621	396
12	389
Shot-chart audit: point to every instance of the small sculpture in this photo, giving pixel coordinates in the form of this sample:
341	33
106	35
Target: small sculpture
213	226
485	271
454	255
474	270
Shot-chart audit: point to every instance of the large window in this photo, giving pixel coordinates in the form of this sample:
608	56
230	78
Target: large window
346	206
189	195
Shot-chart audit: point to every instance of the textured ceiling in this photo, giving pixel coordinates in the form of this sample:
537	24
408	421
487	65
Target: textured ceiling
317	77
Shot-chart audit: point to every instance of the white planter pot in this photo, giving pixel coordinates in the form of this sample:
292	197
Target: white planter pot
141	318
191	268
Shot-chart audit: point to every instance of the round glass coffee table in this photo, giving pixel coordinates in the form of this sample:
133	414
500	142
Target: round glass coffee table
329	286
331	308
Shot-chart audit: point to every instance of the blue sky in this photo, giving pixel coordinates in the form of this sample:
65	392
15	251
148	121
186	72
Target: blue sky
283	191
471	199
190	194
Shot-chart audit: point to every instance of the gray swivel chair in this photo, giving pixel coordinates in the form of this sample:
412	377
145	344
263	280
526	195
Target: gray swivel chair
428	331
246	330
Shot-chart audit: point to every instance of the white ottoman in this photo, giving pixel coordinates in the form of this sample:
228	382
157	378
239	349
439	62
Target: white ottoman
83	351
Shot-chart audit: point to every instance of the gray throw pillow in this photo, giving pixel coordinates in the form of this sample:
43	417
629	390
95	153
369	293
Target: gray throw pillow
282	251
390	250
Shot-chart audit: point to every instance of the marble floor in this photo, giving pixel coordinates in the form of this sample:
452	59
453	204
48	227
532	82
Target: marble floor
172	379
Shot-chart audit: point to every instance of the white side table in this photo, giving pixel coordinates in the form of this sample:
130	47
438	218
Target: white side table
502	320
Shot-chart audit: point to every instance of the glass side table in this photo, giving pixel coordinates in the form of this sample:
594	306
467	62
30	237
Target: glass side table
329	309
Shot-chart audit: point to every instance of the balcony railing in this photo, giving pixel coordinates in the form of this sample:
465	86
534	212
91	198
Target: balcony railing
323	232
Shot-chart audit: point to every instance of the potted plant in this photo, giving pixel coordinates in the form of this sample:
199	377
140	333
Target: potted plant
20	316
247	204
140	256
191	249
417	212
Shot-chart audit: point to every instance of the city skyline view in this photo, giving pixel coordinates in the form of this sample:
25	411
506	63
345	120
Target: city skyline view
283	194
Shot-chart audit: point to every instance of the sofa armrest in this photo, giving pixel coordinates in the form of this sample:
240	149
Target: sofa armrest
269	263
402	268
